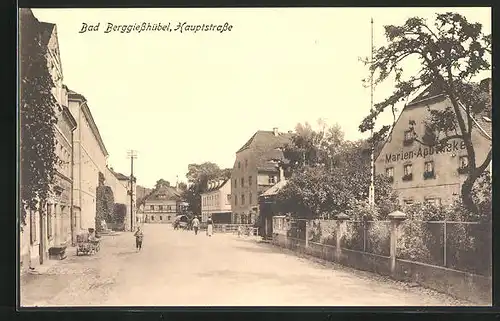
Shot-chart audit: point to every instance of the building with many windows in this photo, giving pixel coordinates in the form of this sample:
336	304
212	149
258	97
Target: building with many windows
216	201
254	171
421	173
90	157
162	205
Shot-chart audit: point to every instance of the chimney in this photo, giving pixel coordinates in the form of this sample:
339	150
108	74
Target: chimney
282	173
275	131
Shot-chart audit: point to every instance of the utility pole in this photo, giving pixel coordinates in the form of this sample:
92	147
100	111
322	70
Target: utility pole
132	154
371	194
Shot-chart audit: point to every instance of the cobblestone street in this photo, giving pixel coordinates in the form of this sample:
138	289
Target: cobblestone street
178	268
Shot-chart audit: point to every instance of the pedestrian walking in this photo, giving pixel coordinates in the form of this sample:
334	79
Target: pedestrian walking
196	224
139	235
210	227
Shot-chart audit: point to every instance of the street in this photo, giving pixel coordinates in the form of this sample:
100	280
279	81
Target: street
178	268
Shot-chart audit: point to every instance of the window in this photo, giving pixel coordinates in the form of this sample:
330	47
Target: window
152	207
49	221
242	182
246	162
228	197
389	172
168	217
249	180
434	201
160	207
408	139
161	218
152	217
239	164
235	182
250	198
463	164
242	199
235	199
169	208
272	179
429	170
407	172
408	201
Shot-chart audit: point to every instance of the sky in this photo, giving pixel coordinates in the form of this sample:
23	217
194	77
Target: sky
181	98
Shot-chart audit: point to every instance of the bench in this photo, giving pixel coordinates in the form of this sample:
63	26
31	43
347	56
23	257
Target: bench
57	252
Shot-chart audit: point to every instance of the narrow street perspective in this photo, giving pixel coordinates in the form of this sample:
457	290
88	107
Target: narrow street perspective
179	268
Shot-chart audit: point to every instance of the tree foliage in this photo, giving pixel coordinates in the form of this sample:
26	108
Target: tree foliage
37	117
104	204
198	176
316	190
314	146
451	53
160	183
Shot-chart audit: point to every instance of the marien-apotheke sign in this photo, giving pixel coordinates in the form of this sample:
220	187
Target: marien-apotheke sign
424	152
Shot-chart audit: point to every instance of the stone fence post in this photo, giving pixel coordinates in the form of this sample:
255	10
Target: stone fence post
341	218
396	218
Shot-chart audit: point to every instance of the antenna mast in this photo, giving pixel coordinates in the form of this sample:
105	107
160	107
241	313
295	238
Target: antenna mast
371	194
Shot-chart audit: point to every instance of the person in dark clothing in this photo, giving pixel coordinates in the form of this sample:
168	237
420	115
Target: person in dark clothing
139	235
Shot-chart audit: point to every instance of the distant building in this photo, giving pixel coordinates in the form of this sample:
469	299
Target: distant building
53	229
162	205
421	173
120	184
254	172
216	201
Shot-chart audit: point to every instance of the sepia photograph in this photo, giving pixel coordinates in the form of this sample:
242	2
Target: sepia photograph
243	157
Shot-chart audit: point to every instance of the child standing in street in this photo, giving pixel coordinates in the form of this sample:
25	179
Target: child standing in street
139	235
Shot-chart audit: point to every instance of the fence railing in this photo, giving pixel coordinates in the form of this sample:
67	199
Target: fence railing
463	246
243	229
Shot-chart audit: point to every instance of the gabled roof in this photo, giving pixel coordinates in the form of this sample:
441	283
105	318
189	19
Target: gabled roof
275	188
216	185
120	176
265	139
164	193
88	114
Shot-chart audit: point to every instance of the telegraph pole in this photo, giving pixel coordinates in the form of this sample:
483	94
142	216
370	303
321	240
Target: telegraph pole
371	194
132	154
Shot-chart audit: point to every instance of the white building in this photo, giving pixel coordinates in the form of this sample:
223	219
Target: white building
90	156
216	201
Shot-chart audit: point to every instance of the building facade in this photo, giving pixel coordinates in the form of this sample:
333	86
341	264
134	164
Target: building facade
162	205
90	157
120	184
216	202
51	227
254	171
421	173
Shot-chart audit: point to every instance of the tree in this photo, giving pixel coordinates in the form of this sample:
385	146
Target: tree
314	146
37	117
182	186
104	203
451	53
161	183
318	189
198	176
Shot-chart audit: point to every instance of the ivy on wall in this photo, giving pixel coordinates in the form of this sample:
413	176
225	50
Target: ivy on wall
104	203
37	117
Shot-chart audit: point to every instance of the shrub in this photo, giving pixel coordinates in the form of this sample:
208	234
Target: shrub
119	213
